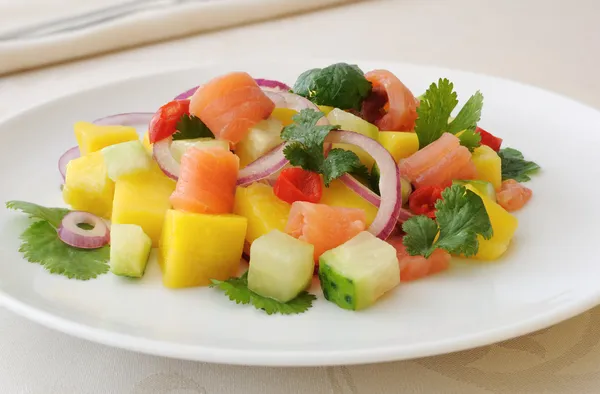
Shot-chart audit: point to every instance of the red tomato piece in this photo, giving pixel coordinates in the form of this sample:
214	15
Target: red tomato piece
489	139
164	121
422	201
296	184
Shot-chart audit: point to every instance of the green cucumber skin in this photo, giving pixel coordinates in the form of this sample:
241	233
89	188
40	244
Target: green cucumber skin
336	288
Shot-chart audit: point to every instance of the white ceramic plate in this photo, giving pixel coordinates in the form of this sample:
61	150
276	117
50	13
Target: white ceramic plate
551	272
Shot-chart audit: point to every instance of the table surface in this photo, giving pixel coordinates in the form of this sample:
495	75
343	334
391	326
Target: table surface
551	44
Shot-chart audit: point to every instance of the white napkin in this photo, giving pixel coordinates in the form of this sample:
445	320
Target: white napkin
143	27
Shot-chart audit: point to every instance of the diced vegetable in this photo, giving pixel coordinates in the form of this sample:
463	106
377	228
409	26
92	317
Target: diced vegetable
486	188
87	185
400	144
129	250
489	139
340	195
488	165
350	122
196	248
178	147
143	199
280	266
164	122
422	201
92	138
357	273
504	226
295	184
264	211
126	158
260	139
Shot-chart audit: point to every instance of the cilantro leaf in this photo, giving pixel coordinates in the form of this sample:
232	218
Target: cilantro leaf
339	85
470	139
514	165
437	104
189	127
339	162
40	244
52	215
460	216
469	115
237	290
304	148
420	233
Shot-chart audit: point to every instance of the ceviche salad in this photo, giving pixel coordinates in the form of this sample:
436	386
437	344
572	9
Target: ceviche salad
346	175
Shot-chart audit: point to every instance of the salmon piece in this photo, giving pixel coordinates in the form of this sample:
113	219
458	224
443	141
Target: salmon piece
416	267
323	226
230	105
439	163
391	105
207	181
513	195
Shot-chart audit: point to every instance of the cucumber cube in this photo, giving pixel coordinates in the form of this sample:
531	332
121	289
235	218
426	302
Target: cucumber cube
126	158
355	274
129	250
178	147
281	266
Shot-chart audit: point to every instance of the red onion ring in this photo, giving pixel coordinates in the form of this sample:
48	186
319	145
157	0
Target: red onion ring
366	193
389	181
263	167
70	233
125	119
66	157
161	151
272	85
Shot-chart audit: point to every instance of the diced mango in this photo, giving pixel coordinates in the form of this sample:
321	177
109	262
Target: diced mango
195	248
284	115
263	209
400	144
143	199
488	165
504	226
146	142
87	186
326	109
339	195
92	138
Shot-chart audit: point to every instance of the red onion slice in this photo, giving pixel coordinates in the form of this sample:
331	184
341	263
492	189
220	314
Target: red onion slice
263	167
161	151
187	94
389	181
370	196
272	85
66	157
70	233
126	119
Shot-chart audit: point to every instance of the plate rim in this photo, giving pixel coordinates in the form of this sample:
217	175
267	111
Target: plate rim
298	358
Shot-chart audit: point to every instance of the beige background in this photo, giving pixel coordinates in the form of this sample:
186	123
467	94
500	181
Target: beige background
553	44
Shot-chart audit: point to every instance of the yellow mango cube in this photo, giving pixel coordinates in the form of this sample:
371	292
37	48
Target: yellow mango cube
340	195
263	209
92	138
504	226
87	185
400	144
326	109
143	199
195	248
284	115
147	144
488	165
363	156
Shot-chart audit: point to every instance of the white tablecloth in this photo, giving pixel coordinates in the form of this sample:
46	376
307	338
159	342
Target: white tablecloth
548	43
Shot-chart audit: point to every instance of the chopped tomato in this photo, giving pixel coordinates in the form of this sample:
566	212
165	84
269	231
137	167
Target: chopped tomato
489	139
164	122
422	201
296	184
